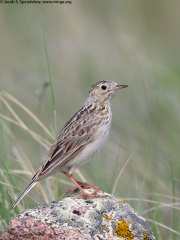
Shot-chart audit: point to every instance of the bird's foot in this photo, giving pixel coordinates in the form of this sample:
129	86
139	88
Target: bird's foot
79	185
88	185
85	185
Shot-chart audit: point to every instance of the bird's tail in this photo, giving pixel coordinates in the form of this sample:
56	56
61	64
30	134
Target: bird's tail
28	188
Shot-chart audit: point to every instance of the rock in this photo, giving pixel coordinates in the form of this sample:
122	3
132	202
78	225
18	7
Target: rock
77	218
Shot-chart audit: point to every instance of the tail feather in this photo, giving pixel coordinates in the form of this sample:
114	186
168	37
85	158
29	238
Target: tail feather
28	188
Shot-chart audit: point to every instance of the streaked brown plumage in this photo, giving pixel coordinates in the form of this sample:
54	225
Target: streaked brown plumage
81	137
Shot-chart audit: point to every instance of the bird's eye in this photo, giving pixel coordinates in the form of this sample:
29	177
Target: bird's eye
103	87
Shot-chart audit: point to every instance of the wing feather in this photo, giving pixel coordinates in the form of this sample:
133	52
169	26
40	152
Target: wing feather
67	145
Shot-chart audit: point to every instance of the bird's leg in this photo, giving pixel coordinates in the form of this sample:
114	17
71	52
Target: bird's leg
79	185
75	182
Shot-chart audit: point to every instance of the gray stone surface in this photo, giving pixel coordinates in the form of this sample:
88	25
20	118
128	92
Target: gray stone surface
78	218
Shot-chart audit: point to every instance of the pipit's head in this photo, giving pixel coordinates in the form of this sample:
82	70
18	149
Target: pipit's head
104	90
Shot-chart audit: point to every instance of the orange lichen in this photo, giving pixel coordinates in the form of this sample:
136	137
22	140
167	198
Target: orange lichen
122	201
122	230
107	217
145	236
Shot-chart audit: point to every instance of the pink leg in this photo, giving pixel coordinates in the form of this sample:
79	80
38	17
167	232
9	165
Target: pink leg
79	184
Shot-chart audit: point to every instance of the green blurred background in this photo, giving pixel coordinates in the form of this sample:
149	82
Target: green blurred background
131	42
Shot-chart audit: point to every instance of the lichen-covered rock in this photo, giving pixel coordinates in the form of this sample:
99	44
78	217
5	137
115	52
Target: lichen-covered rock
76	218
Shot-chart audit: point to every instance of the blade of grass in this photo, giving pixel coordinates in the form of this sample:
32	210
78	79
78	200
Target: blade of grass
119	175
164	226
49	74
114	172
32	115
35	136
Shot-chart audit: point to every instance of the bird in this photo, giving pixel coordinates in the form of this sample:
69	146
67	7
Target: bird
80	138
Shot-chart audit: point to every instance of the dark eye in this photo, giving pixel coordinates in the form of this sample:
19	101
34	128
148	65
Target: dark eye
103	87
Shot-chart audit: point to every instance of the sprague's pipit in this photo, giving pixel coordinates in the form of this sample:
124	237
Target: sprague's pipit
81	137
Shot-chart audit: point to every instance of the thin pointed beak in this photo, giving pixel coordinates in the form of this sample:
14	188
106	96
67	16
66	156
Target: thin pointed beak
120	86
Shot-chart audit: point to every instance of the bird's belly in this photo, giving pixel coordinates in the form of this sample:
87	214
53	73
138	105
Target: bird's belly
85	155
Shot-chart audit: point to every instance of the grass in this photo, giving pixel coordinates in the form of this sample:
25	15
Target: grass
46	72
